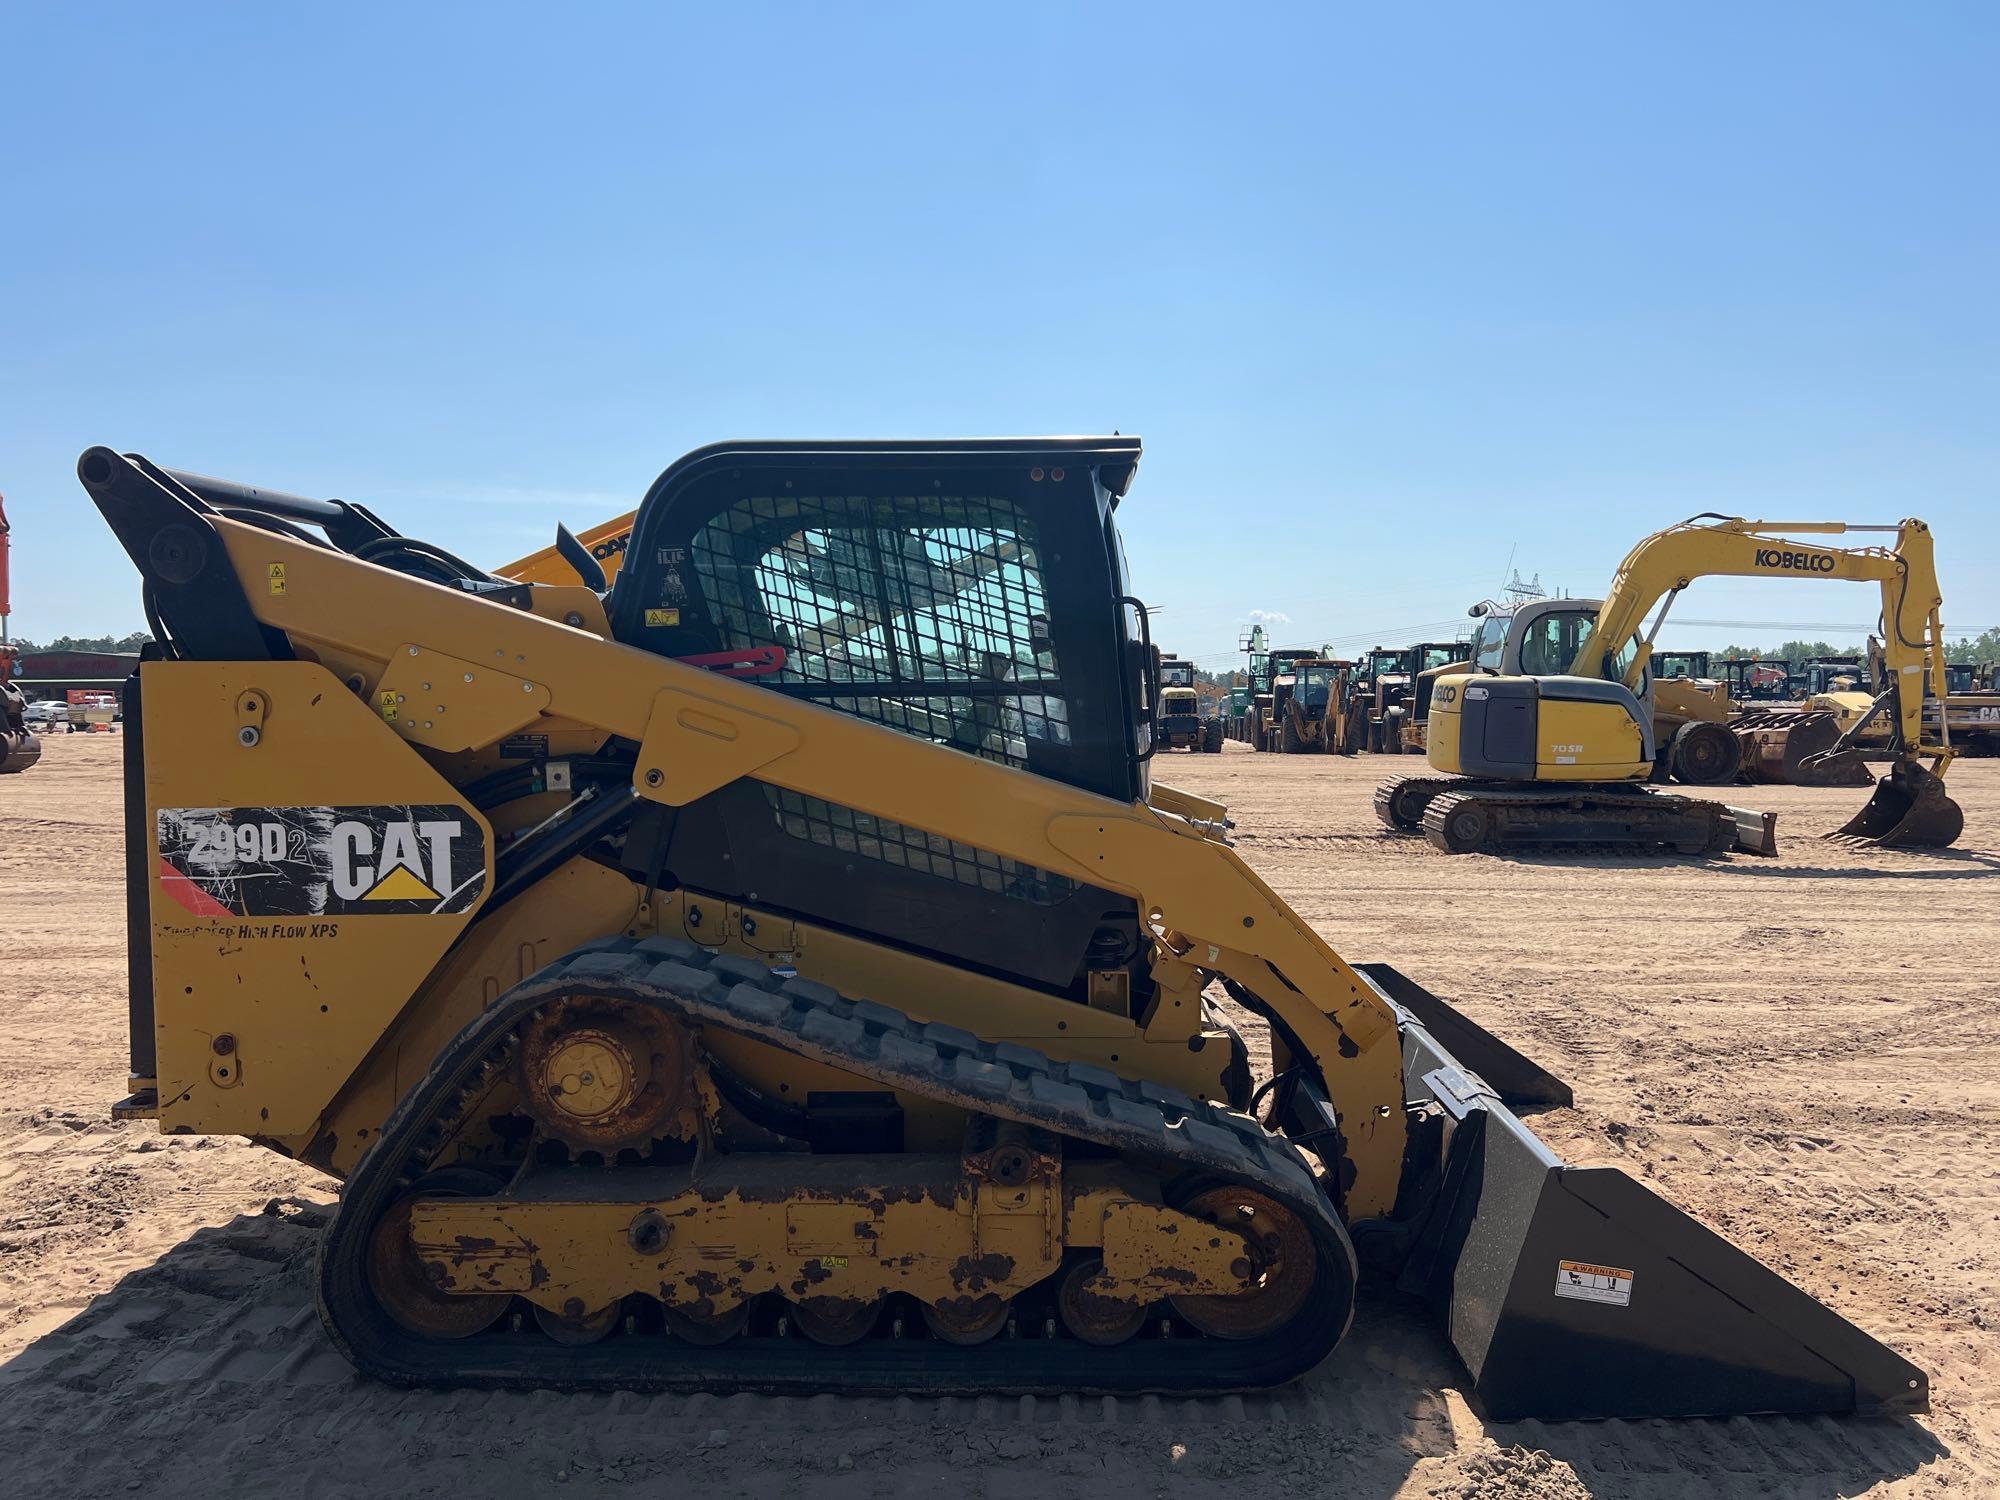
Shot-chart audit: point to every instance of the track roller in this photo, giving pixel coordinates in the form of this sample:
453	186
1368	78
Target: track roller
966	1320
836	1321
1092	1316
574	1326
706	1330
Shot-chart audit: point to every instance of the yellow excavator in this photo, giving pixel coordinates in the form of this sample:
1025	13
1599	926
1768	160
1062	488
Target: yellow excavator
780	971
1549	738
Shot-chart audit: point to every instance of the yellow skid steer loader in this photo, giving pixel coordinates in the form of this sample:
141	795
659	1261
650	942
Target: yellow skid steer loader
779	971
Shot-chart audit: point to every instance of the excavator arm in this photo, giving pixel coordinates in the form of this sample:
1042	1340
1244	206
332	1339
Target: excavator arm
1909	805
1668	561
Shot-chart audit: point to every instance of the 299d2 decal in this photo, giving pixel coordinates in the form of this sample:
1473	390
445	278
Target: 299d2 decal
321	861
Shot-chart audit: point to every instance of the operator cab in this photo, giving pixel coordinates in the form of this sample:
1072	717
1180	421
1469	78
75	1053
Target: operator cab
1315	687
1497	720
973	594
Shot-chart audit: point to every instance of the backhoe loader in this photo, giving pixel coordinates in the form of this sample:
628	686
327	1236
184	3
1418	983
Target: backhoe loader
1312	708
781	972
1550	737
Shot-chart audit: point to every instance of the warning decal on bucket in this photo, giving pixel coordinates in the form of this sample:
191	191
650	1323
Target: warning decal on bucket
321	861
1592	1283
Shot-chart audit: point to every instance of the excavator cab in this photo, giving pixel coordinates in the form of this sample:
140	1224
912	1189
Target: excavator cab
1526	718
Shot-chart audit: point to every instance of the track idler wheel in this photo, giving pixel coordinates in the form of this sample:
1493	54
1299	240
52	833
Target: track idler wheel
1090	1315
1457	825
1400	802
1909	810
574	1326
400	1281
966	1320
1282	1263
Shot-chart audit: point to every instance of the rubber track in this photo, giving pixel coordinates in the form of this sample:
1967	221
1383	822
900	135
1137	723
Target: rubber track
1664	812
1385	793
1186	1136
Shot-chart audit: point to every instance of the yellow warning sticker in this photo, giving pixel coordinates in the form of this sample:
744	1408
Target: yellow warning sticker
277	574
834	1262
659	617
388	706
1588	1282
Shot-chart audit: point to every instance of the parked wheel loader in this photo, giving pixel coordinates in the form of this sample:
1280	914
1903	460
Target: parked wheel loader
1550	737
780	971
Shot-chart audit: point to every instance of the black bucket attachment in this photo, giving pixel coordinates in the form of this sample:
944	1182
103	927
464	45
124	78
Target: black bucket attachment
1575	1292
1909	809
1791	746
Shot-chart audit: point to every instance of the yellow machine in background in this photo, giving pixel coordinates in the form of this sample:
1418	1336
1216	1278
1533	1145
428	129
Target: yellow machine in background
1550	736
782	972
570	558
1179	723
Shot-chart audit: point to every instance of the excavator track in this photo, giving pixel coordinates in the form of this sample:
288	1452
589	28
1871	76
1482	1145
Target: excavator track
1176	1135
1478	817
1400	801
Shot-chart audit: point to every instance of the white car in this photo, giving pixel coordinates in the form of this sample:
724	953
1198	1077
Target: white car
47	713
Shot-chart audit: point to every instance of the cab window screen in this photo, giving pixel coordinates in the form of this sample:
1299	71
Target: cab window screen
1554	642
930	608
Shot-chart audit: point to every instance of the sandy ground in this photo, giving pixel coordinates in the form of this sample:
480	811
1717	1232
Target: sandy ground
1800	1052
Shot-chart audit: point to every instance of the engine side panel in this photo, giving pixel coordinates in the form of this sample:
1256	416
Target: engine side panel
307	870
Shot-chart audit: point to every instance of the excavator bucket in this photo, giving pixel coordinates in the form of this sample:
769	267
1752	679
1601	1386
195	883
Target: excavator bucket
1909	809
1576	1292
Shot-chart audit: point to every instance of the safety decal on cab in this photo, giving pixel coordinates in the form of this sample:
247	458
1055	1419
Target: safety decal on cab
321	861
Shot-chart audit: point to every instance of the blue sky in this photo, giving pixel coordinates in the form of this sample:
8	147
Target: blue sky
1392	295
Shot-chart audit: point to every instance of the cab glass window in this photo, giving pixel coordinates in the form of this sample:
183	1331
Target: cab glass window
925	613
1489	643
1554	642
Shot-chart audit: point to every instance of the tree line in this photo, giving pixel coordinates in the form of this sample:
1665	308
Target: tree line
1971	650
124	643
